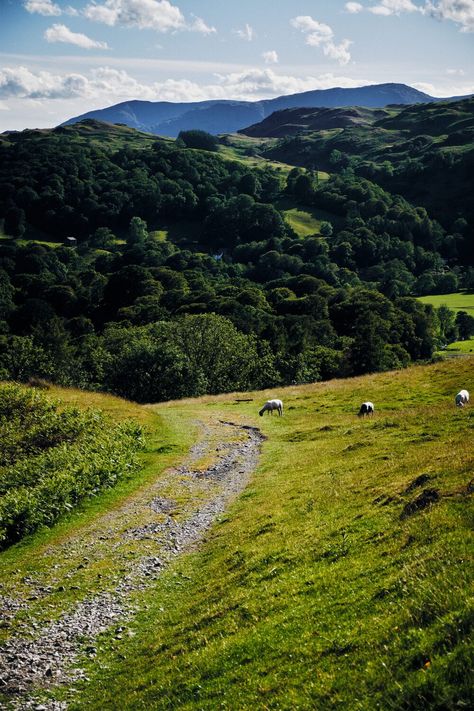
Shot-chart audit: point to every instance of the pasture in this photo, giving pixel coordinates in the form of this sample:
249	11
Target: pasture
458	301
339	577
460	347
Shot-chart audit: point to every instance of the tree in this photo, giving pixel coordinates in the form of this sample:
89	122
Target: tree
326	229
465	325
447	324
15	222
304	188
196	138
138	231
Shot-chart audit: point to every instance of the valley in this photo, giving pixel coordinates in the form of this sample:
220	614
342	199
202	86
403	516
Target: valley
188	553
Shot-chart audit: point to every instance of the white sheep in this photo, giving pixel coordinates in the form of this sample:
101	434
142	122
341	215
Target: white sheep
367	408
462	398
271	405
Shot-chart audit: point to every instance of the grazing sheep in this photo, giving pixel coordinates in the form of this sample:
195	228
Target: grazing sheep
367	408
462	398
271	405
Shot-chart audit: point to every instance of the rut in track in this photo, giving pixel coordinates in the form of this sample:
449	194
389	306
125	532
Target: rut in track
44	655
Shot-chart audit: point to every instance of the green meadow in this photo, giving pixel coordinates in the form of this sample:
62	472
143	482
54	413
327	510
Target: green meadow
340	578
459	301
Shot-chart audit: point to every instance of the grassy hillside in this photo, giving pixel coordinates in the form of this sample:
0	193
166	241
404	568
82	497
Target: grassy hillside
52	457
460	347
338	579
92	132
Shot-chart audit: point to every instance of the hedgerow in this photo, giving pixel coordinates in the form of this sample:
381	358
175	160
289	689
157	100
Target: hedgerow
53	457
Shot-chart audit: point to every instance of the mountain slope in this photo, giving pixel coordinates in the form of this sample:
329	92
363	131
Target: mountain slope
289	122
225	116
339	577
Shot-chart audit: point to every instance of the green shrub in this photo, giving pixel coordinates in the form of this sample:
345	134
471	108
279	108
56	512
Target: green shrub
53	458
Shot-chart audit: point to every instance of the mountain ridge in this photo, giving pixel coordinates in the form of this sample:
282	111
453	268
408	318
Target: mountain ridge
229	115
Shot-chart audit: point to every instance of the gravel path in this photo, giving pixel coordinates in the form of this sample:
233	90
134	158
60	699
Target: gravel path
48	655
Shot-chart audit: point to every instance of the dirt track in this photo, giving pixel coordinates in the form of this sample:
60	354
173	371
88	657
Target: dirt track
45	655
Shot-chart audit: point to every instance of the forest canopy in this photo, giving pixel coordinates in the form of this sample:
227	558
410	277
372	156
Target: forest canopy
238	300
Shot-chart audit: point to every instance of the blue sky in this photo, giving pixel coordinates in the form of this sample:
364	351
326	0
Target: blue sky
62	58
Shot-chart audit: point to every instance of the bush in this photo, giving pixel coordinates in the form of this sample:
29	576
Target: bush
53	458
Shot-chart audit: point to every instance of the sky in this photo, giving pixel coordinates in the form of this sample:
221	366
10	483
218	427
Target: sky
59	59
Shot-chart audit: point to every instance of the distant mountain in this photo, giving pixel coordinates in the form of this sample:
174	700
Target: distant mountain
225	116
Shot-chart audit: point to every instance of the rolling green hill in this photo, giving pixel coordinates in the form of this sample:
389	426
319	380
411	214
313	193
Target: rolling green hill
339	577
289	275
424	152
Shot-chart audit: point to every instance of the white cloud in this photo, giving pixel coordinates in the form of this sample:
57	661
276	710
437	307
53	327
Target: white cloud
354	7
113	85
456	72
247	33
61	33
23	83
459	11
445	91
71	11
339	52
316	32
198	25
393	7
158	15
270	57
42	7
320	34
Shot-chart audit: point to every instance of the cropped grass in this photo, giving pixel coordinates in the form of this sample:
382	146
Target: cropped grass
460	347
305	221
341	576
458	301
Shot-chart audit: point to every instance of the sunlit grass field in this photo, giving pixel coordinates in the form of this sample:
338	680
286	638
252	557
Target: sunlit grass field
460	347
458	301
304	220
339	579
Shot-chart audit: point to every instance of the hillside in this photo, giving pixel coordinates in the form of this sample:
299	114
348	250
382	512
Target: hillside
278	274
424	153
225	116
290	122
339	576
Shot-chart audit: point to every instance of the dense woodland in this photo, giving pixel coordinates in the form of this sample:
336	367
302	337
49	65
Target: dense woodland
241	301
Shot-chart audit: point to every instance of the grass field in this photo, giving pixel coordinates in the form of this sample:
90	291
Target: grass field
303	219
237	149
31	235
460	347
459	301
338	579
